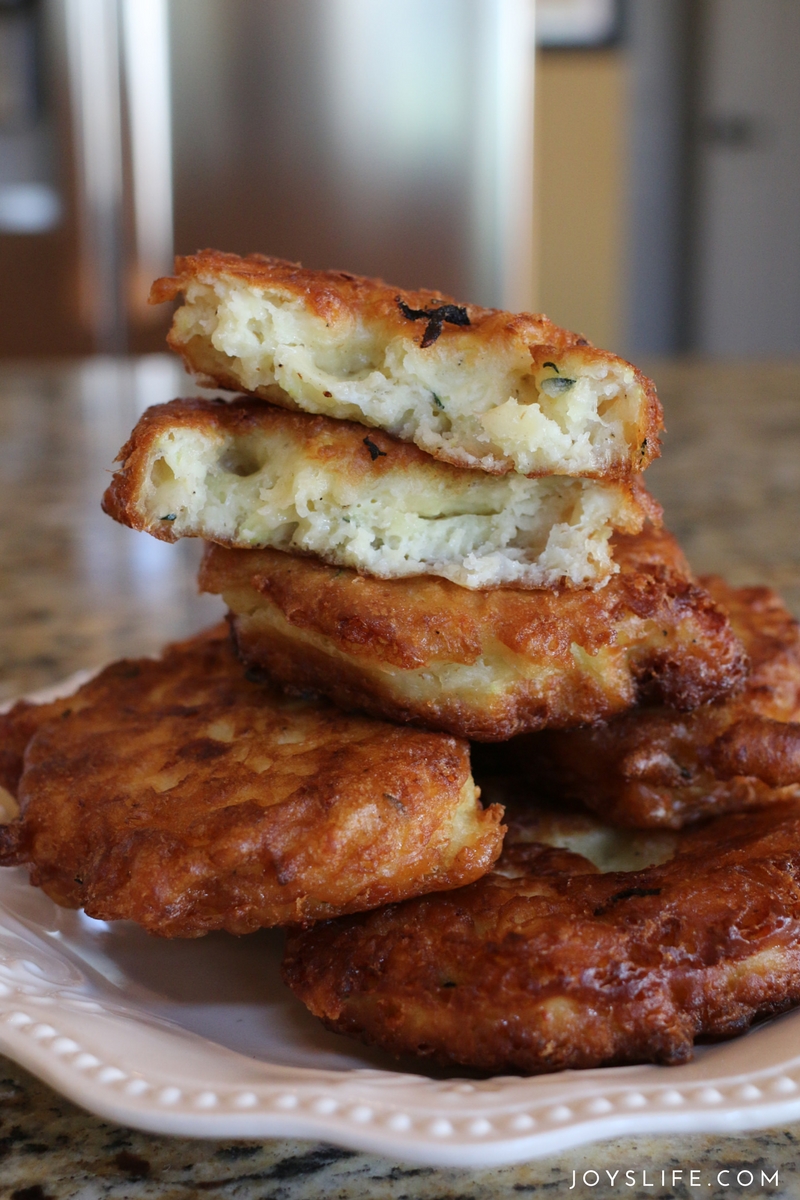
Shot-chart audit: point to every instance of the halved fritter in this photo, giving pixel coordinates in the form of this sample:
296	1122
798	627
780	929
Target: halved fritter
548	964
250	475
181	794
484	665
654	767
472	386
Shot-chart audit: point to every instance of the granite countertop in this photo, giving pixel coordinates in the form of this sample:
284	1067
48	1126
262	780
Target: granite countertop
78	590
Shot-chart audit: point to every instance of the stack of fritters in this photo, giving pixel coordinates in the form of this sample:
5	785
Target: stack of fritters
428	523
429	512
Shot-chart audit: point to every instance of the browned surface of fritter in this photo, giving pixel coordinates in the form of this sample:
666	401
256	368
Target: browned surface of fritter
180	794
17	727
345	300
325	441
546	964
552	658
655	767
23	719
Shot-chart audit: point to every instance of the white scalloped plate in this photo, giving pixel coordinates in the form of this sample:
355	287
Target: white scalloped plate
200	1038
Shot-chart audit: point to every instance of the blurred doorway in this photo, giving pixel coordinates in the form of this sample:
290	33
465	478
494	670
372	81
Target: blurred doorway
668	177
745	236
714	218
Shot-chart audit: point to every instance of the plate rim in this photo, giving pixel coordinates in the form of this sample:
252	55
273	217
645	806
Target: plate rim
51	1029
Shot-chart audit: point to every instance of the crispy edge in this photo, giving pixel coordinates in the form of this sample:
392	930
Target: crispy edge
651	768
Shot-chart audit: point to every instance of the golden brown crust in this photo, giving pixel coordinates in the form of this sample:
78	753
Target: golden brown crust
546	964
180	794
339	298
652	767
527	659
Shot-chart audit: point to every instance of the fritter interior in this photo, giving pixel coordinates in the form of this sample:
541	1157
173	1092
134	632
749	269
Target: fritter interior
179	793
547	963
472	386
655	767
250	475
485	665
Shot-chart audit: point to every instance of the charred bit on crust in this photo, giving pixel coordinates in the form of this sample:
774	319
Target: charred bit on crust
626	894
454	314
374	451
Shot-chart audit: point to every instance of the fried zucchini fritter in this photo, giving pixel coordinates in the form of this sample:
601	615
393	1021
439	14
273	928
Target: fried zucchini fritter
547	964
484	665
654	767
472	386
178	793
17	727
250	475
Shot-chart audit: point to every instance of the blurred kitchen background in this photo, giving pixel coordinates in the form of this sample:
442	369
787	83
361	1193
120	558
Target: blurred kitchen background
633	169
636	175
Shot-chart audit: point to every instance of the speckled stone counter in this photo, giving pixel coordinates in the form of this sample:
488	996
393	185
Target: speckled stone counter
50	1149
77	590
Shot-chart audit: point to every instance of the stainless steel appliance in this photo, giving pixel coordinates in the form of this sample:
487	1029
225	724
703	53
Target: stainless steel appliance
391	137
